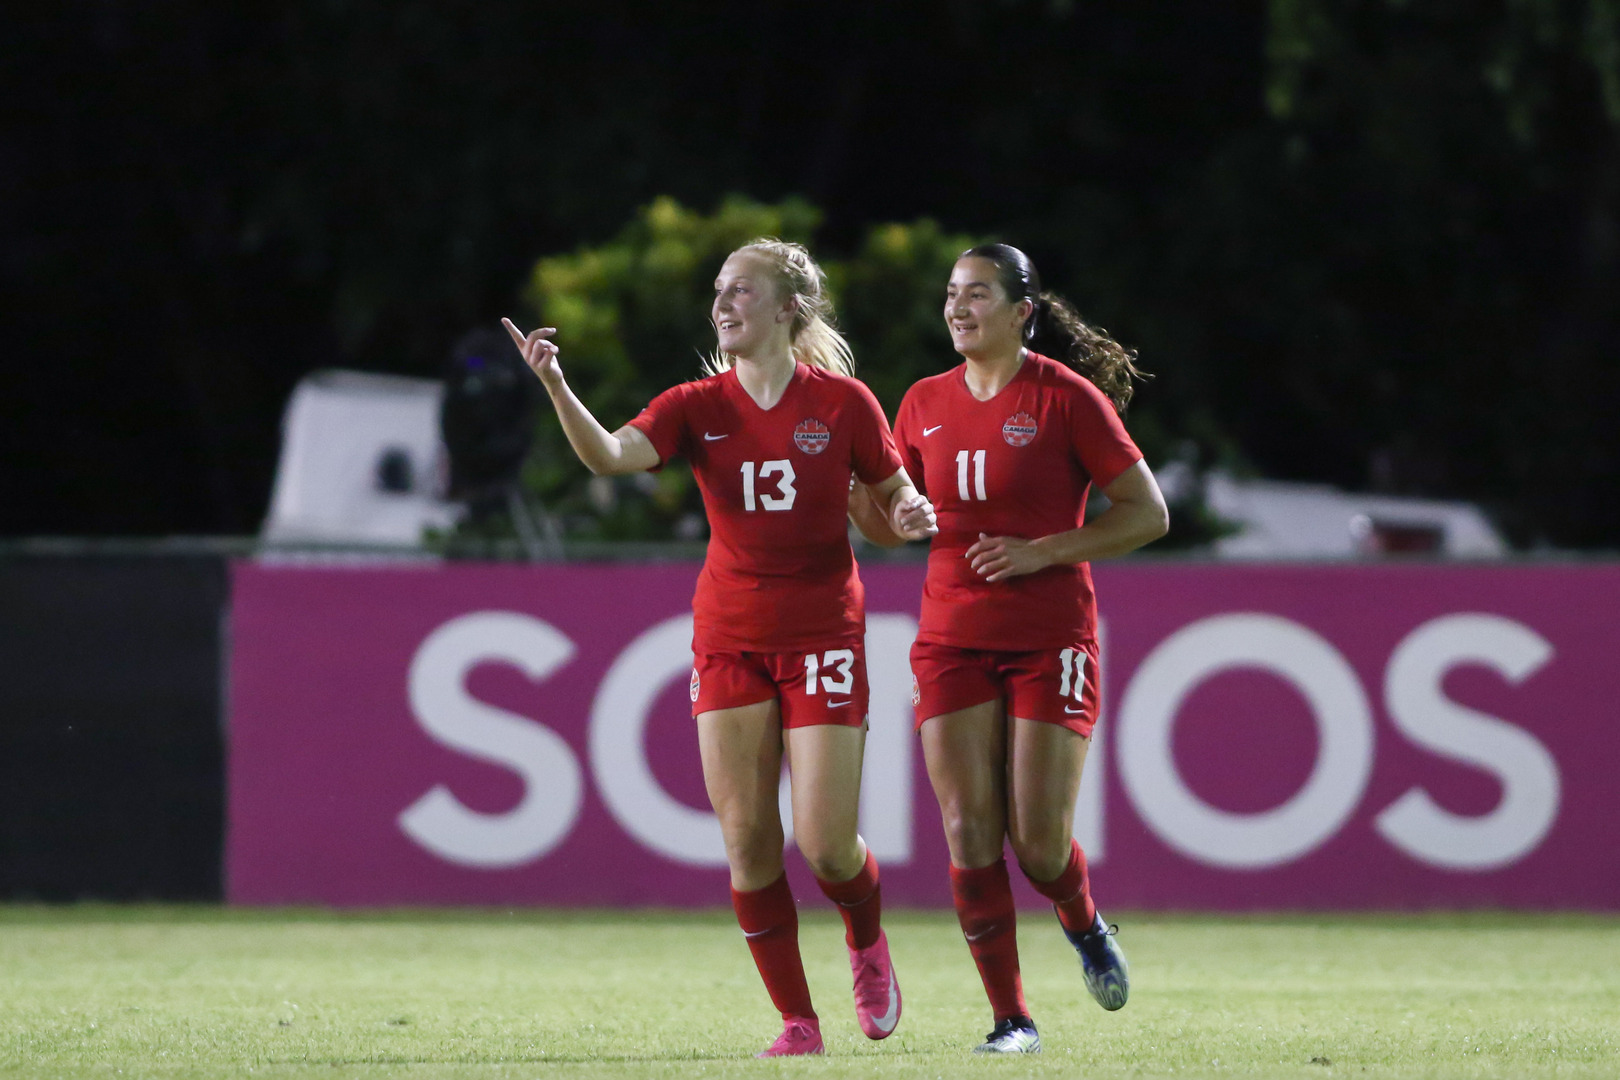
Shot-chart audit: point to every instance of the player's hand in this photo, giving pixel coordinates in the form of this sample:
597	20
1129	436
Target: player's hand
539	352
996	558
913	518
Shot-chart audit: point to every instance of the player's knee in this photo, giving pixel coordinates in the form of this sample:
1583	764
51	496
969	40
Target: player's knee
828	868
754	864
753	844
828	859
1043	854
975	839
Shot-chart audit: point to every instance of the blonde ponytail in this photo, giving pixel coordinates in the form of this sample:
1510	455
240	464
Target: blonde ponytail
816	340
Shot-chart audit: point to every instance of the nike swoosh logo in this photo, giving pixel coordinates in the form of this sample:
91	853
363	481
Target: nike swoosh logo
839	704
711	438
981	933
927	431
1069	710
886	1022
756	933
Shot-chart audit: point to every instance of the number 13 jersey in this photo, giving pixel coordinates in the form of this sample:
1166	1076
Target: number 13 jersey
779	574
1019	465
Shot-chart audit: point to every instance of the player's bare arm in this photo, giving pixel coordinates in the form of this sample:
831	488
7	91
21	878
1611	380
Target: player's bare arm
605	453
899	509
891	512
1135	516
869	519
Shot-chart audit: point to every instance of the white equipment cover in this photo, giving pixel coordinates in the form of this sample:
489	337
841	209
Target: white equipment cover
1281	520
362	462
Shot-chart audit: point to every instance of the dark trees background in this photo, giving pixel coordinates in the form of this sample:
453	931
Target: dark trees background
1370	242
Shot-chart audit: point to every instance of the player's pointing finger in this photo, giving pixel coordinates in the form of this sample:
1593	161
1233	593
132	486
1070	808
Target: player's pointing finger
517	335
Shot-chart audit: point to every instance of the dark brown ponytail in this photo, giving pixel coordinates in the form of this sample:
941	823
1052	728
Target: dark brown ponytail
1056	329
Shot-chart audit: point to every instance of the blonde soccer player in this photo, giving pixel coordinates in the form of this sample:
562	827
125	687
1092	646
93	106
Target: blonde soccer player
778	435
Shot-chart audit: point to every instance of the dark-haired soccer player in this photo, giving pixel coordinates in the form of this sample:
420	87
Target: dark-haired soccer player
1007	444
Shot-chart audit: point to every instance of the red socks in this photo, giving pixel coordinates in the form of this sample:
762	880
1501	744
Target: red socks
984	907
770	922
860	902
1070	893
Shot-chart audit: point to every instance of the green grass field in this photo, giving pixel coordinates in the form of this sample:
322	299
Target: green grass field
203	992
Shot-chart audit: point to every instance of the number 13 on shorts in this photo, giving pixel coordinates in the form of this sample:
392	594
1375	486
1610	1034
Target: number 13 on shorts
840	661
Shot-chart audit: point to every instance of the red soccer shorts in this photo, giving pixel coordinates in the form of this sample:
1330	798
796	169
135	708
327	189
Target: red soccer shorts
823	687
1054	686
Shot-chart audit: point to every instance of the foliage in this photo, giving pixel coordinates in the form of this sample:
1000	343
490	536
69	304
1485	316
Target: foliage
1374	243
891	296
632	318
1388	259
1516	53
1443	183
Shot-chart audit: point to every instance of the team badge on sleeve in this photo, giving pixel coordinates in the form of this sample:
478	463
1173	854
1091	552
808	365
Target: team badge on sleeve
812	436
1019	430
694	686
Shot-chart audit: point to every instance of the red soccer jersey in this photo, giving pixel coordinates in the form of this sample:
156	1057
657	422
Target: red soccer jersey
779	575
1017	465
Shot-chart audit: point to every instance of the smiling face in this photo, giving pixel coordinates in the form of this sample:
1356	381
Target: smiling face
982	321
751	314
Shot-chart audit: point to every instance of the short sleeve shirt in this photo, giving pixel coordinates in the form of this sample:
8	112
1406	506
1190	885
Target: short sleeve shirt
1019	465
779	573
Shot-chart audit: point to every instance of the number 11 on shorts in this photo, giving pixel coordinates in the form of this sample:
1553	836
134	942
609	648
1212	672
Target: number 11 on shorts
1074	672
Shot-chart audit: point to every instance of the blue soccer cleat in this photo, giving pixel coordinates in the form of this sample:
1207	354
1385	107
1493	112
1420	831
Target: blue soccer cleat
1108	977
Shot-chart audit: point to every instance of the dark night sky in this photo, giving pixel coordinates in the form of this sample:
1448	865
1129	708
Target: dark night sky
200	203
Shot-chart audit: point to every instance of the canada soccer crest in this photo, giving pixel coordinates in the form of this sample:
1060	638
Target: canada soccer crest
1019	430
812	436
694	686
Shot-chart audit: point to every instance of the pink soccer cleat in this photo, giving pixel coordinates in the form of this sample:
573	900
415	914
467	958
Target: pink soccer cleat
877	995
800	1035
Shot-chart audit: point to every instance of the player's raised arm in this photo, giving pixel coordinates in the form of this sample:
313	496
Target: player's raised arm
605	453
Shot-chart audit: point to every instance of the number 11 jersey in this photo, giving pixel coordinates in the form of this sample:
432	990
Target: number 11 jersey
1019	465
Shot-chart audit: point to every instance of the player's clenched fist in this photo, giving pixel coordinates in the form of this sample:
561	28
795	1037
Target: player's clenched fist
914	518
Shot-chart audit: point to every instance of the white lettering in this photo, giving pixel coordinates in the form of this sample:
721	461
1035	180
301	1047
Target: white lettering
552	787
783	471
962	475
844	661
1413	690
1088	806
886	778
1344	731
618	749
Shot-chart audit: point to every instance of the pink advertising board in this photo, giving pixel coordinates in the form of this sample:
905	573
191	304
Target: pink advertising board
1273	737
